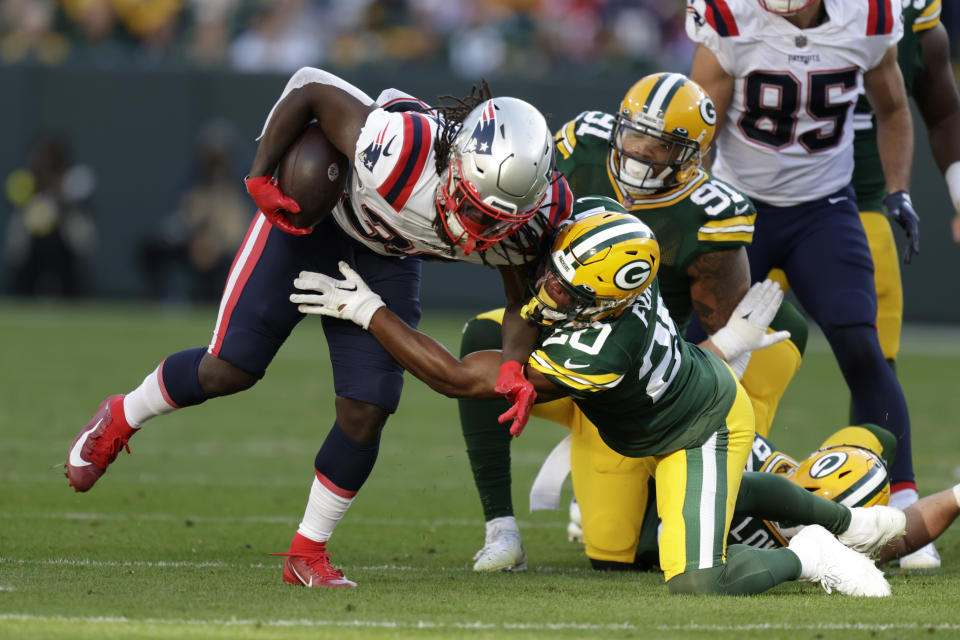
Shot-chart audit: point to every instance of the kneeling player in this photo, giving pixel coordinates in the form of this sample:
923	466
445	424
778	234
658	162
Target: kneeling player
833	487
610	345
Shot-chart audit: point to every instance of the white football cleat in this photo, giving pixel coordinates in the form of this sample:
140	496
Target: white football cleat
926	557
502	549
871	528
575	526
827	562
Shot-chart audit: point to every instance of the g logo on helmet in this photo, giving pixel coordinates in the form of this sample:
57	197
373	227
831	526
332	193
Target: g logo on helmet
708	112
632	275
827	464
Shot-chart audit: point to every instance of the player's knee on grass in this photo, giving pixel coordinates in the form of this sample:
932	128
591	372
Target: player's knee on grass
747	570
610	537
220	378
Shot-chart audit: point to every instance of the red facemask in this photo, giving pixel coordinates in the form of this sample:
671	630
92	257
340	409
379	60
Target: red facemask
475	225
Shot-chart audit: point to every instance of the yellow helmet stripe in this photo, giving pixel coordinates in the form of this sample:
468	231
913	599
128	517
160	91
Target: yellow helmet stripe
574	379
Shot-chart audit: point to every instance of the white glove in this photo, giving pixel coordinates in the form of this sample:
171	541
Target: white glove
739	364
746	330
348	299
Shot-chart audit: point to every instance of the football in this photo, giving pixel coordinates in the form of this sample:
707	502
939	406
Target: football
314	173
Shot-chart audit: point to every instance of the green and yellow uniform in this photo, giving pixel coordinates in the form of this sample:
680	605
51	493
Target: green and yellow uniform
700	216
652	394
918	17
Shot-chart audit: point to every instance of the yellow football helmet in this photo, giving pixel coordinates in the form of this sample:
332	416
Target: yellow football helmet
598	265
853	476
665	125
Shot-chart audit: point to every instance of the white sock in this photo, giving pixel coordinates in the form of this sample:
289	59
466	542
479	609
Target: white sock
146	401
903	498
956	493
324	510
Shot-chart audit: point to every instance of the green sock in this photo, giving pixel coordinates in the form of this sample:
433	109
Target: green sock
772	497
748	570
488	441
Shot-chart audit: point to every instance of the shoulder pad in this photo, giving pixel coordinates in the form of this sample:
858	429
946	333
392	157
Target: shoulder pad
392	153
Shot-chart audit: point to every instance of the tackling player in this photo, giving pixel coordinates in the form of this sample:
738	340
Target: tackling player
647	157
924	59
785	75
610	345
474	182
849	470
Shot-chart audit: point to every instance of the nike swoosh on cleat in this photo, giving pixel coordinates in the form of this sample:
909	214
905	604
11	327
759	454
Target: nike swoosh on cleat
571	365
75	459
300	578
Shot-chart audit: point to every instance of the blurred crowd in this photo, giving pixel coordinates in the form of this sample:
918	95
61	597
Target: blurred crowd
470	36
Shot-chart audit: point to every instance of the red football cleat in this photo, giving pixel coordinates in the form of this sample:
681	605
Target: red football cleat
98	444
308	565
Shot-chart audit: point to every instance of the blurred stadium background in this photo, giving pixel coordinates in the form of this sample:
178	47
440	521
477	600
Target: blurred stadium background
144	112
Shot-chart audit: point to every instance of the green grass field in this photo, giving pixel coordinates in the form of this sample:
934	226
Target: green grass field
173	542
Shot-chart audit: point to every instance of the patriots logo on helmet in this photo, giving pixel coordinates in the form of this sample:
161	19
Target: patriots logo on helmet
481	141
370	155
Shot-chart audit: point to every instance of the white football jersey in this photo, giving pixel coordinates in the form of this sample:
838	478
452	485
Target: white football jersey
788	136
393	182
391	206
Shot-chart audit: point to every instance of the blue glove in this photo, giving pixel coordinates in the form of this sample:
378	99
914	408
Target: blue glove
900	208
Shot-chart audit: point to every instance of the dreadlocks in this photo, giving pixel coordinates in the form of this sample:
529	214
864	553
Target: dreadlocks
452	116
530	240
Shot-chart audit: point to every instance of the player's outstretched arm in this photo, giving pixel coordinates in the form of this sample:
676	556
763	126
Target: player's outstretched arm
351	299
519	338
936	95
926	520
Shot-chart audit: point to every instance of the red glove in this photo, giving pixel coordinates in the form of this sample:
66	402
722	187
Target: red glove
519	391
272	203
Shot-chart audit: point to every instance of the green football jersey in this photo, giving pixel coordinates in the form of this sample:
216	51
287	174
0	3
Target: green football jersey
646	389
701	216
868	181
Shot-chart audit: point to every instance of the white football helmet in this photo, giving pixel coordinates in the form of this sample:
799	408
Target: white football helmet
785	7
501	165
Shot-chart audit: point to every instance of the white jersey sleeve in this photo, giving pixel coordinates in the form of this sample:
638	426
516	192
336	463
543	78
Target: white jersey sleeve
788	136
308	75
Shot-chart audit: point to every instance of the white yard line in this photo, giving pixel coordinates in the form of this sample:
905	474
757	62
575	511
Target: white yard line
521	626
